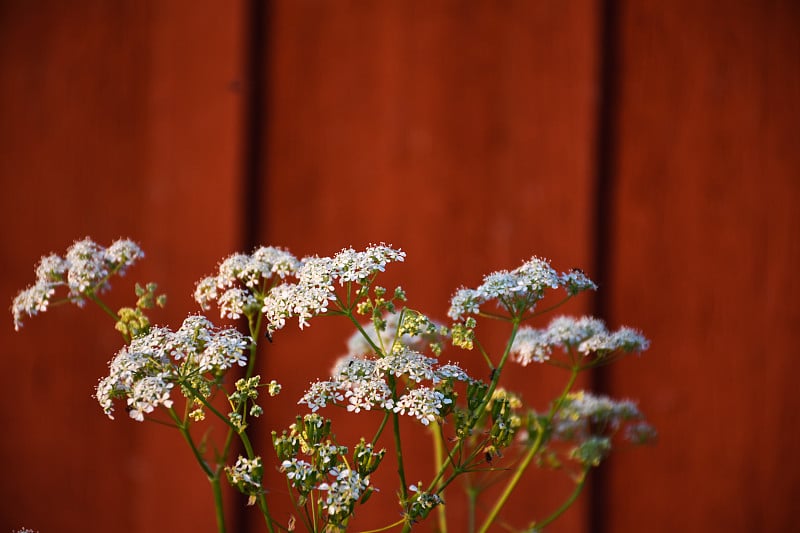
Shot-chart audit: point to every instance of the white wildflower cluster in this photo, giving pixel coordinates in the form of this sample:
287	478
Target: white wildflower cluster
243	280
517	290
586	335
316	285
363	383
145	372
583	414
347	487
246	476
422	502
591	421
85	269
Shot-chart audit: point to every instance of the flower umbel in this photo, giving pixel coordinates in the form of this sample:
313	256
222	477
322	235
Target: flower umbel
83	272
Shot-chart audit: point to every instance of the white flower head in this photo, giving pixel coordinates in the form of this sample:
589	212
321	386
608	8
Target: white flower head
422	403
585	335
317	278
146	371
344	491
242	280
85	269
517	290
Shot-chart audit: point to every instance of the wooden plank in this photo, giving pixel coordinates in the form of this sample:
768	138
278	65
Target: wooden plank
119	119
706	255
461	132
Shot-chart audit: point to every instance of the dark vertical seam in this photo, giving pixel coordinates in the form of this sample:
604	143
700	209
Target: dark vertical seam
604	210
253	165
254	121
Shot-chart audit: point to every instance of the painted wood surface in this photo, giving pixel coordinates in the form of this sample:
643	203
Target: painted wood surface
465	133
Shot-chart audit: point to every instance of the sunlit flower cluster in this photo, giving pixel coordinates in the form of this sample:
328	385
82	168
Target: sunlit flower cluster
246	476
317	279
84	270
362	383
343	492
243	280
585	335
421	502
145	371
518	290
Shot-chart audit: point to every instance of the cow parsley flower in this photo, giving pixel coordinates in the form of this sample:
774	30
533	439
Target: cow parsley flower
246	476
582	414
85	269
343	492
422	403
146	371
586	335
518	290
317	279
243	280
363	383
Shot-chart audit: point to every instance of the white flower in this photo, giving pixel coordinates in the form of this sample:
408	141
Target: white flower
242	280
145	371
586	335
407	362
531	345
298	470
316	285
86	268
344	491
583	414
423	404
245	474
148	393
517	290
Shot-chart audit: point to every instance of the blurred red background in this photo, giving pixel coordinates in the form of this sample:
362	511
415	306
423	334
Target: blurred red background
653	145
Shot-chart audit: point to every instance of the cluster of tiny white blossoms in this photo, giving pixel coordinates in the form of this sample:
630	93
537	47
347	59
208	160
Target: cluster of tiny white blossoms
582	413
145	371
242	280
344	491
585	335
84	270
246	475
362	382
422	502
591	421
316	285
517	290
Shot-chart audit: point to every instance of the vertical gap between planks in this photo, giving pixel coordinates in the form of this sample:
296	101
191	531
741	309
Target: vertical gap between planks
255	88
603	219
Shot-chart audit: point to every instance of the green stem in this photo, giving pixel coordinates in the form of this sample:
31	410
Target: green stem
472	498
213	477
217	488
438	457
349	314
107	310
397	444
188	438
475	416
262	501
380	428
537	526
534	449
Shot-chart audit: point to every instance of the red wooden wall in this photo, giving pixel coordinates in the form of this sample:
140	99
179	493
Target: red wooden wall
473	135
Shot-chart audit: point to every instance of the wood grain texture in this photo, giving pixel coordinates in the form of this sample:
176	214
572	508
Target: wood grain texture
119	119
706	255
461	132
